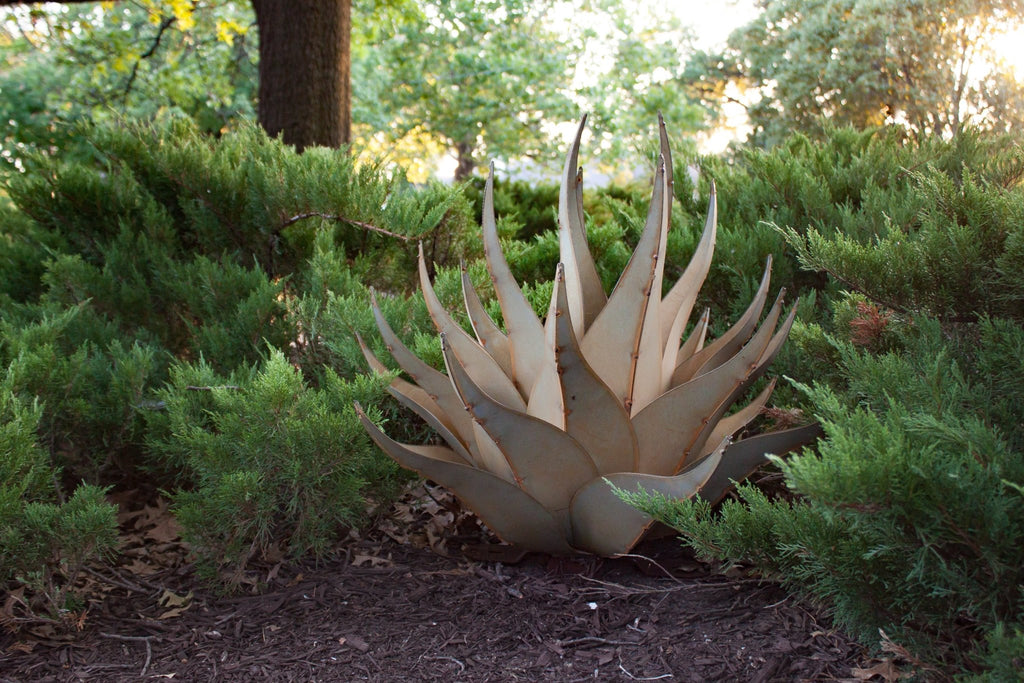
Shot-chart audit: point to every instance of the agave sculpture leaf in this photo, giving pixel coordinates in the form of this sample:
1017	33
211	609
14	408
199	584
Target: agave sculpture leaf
543	418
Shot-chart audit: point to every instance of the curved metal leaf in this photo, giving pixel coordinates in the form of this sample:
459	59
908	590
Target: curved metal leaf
548	463
666	219
593	414
546	396
525	333
743	457
648	381
677	305
510	512
491	338
603	524
583	285
474	358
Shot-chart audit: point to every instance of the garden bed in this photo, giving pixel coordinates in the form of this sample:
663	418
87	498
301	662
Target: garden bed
385	610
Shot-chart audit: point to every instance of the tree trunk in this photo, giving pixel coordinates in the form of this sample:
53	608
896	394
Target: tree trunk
466	165
305	64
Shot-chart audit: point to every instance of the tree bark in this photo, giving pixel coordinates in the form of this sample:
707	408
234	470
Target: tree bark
305	69
305	66
466	165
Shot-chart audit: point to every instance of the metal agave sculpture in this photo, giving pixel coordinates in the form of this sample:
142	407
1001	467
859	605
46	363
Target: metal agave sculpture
541	420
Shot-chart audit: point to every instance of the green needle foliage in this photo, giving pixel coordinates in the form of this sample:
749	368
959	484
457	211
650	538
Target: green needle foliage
908	519
909	515
281	468
165	260
46	543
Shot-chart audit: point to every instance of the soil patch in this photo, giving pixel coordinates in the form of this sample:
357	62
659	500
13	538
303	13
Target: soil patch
391	611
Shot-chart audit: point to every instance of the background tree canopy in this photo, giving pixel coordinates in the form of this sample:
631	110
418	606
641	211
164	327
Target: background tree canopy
95	61
474	78
479	79
924	64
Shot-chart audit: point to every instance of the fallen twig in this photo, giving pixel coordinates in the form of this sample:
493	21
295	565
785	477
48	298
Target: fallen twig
643	678
637	556
592	640
144	639
462	667
117	582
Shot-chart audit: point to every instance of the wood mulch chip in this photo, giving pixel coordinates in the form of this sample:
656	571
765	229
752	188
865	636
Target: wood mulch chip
390	611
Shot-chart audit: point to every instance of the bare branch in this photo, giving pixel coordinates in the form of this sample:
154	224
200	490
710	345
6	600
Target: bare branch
164	25
342	219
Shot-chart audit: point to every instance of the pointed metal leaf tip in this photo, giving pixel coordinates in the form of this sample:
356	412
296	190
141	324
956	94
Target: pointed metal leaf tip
666	151
648	350
677	305
610	345
525	333
583	285
371	359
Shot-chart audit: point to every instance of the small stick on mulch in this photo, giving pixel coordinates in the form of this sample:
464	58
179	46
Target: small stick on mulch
142	639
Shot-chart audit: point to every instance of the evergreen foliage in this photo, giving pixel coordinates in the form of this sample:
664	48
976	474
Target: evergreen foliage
241	196
46	543
166	260
908	516
280	467
89	388
182	311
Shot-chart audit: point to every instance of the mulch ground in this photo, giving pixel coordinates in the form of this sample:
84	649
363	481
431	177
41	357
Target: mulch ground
391	608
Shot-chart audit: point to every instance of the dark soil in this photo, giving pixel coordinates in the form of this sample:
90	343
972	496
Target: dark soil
390	611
